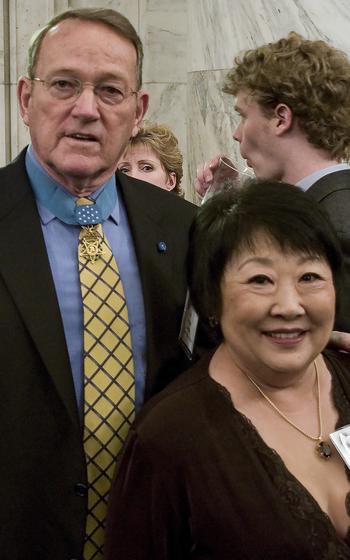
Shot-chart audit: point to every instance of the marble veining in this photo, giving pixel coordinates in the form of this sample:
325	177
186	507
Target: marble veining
211	120
128	8
189	46
167	102
163	29
222	28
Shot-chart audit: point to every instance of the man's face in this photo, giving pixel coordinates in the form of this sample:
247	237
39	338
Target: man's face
256	136
80	140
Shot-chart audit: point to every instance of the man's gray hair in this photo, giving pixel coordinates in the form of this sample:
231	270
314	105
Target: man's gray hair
113	19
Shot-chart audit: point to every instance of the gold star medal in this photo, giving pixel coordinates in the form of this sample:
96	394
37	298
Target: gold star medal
90	246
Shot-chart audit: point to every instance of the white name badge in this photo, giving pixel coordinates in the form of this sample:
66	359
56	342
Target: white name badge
188	328
341	441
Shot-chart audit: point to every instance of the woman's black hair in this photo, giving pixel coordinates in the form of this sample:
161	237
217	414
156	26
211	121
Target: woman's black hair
232	220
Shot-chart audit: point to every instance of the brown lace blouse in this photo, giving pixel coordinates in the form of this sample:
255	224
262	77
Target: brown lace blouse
196	480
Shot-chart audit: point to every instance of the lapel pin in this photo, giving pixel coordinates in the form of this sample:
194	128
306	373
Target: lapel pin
161	246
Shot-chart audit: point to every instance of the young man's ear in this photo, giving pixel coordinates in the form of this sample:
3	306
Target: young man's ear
284	117
24	93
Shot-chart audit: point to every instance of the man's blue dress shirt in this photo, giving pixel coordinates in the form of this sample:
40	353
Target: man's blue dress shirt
61	242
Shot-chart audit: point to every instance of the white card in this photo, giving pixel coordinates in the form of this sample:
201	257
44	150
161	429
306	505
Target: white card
188	328
341	441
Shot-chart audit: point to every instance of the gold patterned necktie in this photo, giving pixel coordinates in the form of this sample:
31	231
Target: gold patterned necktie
109	388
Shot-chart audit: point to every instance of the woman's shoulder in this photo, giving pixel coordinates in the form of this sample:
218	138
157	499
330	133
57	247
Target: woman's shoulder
178	404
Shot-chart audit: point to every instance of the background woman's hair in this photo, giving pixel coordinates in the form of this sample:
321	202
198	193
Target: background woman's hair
161	139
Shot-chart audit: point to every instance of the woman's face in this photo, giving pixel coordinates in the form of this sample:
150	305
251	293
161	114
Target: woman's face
141	162
277	309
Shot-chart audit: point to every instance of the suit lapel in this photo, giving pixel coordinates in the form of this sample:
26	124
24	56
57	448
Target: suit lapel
162	284
26	271
145	220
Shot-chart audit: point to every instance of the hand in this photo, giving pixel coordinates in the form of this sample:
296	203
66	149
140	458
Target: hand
205	175
340	341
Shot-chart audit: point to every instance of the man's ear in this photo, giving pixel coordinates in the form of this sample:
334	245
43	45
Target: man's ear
284	118
24	93
141	108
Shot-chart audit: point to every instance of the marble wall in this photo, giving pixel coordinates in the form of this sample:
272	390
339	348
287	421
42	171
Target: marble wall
220	29
189	46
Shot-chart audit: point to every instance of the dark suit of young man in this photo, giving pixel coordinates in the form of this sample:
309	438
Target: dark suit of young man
333	193
42	467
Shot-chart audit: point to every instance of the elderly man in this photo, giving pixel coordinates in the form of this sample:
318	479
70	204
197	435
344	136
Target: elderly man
293	98
92	287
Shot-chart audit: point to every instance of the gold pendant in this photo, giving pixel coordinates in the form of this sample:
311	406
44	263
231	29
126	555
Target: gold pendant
91	244
324	450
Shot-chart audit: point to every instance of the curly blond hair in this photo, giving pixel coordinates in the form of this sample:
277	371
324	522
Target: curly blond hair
163	142
311	77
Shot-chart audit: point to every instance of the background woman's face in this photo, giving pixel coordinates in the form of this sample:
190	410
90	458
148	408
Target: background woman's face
142	162
277	309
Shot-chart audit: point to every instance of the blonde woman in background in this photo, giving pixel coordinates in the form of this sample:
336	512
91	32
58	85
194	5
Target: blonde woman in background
153	155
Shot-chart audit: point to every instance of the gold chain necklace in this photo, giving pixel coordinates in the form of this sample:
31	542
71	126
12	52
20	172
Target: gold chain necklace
323	449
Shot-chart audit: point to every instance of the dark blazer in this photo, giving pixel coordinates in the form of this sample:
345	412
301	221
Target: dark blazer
42	465
333	193
196	481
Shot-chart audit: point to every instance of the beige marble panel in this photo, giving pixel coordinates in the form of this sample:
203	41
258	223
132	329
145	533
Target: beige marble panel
25	18
222	28
60	6
168	106
325	19
211	120
129	8
163	29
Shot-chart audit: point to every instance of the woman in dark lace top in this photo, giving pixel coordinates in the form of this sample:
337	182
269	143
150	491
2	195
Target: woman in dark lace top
233	460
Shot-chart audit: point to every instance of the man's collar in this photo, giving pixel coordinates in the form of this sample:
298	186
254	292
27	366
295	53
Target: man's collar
309	180
55	201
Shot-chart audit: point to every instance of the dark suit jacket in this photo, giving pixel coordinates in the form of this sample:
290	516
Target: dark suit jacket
42	465
333	193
